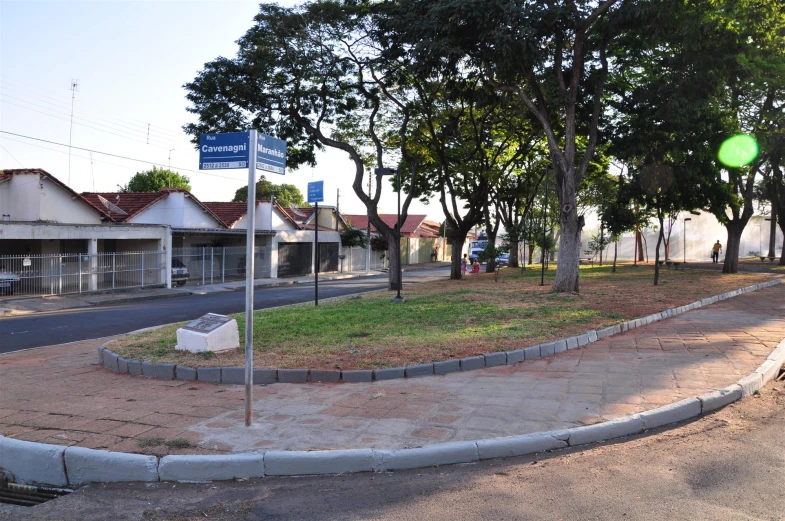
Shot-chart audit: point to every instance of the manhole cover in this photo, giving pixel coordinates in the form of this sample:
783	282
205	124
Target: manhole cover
28	496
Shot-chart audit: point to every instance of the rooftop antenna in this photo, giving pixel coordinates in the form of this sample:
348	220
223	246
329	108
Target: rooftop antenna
296	211
74	89
92	172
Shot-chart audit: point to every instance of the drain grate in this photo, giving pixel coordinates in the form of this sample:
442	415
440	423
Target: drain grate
28	496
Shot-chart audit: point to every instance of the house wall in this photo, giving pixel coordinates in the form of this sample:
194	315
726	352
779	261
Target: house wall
177	210
57	205
21	200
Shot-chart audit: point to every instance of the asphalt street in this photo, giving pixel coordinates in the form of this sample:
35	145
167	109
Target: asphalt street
58	327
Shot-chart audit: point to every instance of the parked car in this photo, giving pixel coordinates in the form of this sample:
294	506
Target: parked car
180	273
503	260
8	281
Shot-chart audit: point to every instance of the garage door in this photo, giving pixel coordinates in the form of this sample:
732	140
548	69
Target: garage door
294	259
328	257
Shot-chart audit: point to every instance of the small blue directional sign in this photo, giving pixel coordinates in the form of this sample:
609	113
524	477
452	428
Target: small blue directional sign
222	151
270	154
316	192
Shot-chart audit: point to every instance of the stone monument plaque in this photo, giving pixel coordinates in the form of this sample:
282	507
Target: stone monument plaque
210	332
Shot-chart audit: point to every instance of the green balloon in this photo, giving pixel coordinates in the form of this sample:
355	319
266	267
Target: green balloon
738	151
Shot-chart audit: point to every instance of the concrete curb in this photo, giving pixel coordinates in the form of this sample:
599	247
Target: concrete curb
236	375
55	465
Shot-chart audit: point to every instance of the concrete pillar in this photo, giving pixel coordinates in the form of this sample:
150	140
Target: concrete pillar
92	251
166	246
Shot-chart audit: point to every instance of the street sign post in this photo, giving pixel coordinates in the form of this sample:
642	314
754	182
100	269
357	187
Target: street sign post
271	154
316	196
233	150
223	151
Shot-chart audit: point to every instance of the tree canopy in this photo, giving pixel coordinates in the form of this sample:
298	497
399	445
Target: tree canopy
156	179
285	194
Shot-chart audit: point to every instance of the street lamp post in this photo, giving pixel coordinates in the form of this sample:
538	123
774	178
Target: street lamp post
399	283
684	242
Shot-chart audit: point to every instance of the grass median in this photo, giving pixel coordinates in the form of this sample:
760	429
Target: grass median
443	320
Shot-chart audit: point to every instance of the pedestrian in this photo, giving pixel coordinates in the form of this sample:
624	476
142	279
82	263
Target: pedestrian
715	252
464	262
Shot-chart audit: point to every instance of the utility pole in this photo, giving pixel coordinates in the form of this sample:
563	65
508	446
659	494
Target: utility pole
74	89
337	208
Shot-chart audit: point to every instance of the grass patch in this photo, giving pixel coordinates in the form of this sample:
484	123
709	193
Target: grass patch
445	319
145	442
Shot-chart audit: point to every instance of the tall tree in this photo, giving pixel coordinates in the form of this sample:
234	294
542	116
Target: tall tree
155	179
309	74
285	194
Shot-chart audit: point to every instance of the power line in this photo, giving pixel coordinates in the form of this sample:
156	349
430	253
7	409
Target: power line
95	121
85	125
12	156
156	163
101	110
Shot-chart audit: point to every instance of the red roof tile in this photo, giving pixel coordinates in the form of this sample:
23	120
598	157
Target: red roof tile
228	212
411	226
132	203
299	215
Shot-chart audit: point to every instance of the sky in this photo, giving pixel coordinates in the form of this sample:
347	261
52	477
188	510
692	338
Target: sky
131	60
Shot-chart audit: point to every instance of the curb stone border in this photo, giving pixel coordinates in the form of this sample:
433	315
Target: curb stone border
31	462
235	375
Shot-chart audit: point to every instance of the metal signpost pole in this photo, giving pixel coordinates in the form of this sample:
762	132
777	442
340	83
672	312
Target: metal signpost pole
316	255
544	230
398	297
250	237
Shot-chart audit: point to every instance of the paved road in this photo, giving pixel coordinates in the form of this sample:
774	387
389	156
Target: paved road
729	465
58	327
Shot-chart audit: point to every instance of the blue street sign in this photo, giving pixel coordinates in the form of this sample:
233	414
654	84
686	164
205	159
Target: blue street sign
316	192
270	154
222	151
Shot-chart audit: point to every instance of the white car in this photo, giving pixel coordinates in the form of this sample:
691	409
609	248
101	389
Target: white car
8	281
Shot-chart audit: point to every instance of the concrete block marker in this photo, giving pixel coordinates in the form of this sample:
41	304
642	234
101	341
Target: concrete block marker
419	370
750	383
675	412
101	355
293	376
362	375
769	370
213	467
90	465
164	371
560	346
33	462
135	367
513	357
122	365
583	339
319	375
185	373
495	359
148	369
531	353
593	336
429	456
549	348
110	360
265	376
448	366
472	362
510	446
605	431
209	374
389	374
233	375
617	329
778	355
721	398
298	463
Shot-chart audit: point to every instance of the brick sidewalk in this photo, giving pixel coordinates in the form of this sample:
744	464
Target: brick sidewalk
60	395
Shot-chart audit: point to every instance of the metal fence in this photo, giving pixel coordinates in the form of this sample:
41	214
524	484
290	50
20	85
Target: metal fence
214	265
59	274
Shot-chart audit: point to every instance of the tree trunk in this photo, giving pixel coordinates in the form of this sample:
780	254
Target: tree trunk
667	249
531	253
392	258
731	264
513	253
490	266
660	237
457	253
773	233
602	243
615	255
567	269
